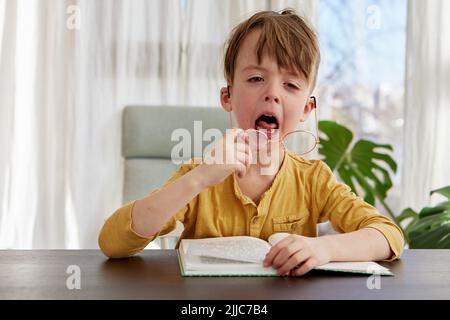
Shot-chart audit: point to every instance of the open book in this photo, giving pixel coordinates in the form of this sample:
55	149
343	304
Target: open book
243	256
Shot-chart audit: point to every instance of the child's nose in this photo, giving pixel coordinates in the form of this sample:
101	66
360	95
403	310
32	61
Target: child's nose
272	92
270	98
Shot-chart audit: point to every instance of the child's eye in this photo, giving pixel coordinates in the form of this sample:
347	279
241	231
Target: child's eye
293	86
255	79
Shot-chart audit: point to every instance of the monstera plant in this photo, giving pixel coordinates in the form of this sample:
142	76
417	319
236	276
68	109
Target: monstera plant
430	228
370	165
363	162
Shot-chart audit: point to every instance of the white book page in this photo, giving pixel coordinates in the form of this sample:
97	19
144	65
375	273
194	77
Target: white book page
239	248
224	266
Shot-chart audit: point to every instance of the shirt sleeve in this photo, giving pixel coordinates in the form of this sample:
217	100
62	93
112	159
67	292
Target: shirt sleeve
117	239
347	212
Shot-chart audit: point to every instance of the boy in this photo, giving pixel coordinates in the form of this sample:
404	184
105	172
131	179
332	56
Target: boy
271	66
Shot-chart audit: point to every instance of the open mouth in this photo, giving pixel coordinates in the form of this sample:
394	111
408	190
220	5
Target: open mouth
267	121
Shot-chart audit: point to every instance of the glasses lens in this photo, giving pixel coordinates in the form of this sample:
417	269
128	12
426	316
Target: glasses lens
300	142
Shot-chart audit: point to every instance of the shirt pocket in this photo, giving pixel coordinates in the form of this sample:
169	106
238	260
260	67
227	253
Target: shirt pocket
289	223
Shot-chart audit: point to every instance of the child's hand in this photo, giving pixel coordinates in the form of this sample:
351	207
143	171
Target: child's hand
230	154
296	255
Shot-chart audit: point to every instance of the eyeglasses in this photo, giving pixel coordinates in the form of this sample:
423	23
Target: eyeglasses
300	142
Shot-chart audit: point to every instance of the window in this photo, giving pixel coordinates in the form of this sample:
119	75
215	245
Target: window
361	81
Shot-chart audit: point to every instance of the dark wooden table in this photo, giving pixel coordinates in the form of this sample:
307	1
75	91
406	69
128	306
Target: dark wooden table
155	274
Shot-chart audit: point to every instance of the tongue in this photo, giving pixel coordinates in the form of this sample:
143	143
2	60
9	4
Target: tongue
266	125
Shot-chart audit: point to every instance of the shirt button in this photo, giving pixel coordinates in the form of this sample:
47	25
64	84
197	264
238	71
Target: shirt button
255	220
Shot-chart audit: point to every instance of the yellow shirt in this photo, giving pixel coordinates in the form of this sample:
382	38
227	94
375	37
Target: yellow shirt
303	194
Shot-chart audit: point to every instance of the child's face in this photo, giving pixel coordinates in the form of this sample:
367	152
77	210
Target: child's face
265	89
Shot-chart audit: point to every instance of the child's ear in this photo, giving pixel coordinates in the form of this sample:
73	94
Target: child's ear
225	99
309	106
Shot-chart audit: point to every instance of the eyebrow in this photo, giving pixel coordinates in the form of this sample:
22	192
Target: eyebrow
255	67
251	67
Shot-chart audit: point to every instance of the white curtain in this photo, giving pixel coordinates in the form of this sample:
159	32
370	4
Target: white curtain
427	110
67	68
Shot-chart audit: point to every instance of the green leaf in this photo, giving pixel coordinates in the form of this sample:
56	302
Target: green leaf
437	238
359	164
443	191
406	214
334	149
429	223
444	243
432	228
429	211
345	174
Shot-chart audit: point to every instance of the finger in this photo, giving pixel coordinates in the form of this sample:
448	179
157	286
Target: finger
307	266
242	147
240	143
242	157
248	153
285	253
295	261
276	249
250	158
230	136
231	149
238	135
246	160
240	170
235	130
